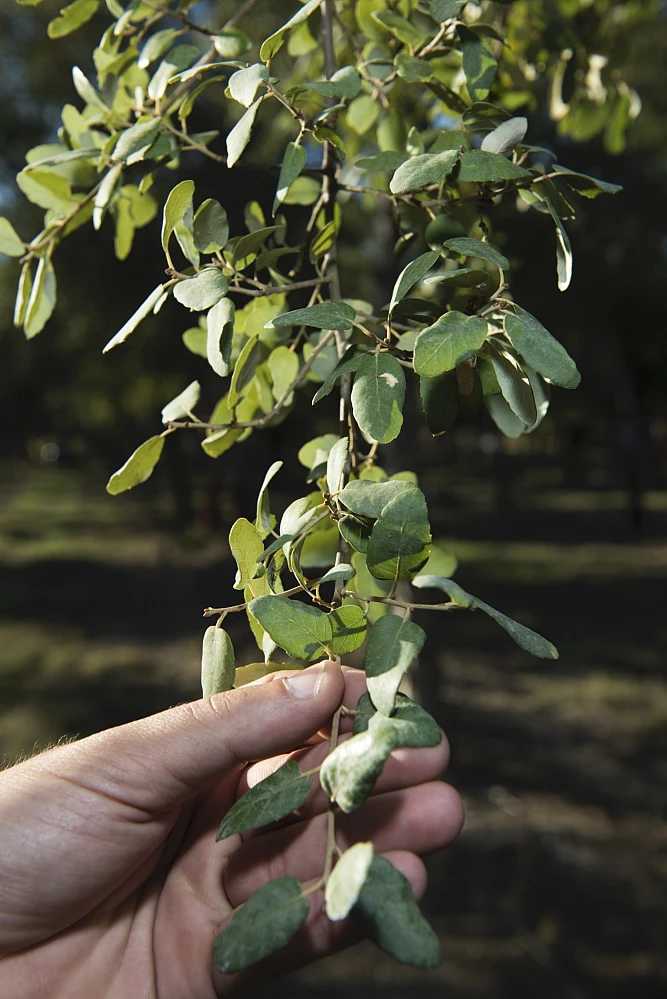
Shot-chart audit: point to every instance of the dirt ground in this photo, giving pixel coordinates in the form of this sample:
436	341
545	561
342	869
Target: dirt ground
558	884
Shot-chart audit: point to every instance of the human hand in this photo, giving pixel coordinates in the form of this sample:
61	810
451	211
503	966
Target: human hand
111	882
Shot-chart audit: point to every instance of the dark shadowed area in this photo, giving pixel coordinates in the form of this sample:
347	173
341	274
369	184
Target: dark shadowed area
558	884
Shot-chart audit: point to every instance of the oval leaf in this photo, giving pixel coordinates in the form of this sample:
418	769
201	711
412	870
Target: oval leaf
393	645
346	880
138	467
378	393
217	662
266	923
272	799
452	339
302	630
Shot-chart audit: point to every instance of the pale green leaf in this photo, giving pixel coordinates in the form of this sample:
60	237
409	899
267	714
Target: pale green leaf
452	339
399	544
177	59
325	316
217	662
86	90
265	521
202	291
42	299
302	630
514	386
411	69
134	320
46	189
503	417
284	367
410	726
350	771
105	193
275	41
378	393
392	917
245	368
526	639
183	404
240	135
587	186
337	462
156	46
138	467
363	113
342	571
246	546
350	361
230	43
135	142
272	799
10	242
244	84
393	645
346	880
176	207
246	248
266	923
420	171
398	26
505	137
23	294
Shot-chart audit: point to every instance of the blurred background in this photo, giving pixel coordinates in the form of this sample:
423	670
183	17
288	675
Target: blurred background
558	884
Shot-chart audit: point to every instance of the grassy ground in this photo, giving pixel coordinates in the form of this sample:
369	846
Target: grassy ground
558	885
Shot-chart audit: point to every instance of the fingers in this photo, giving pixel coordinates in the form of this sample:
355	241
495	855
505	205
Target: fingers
418	819
159	762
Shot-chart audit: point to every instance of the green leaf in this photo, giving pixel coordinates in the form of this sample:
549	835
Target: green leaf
514	386
350	771
563	248
217	443
10	242
217	662
246	546
476	248
303	631
202	291
272	799
440	401
183	404
325	316
526	639
264	521
411	69
506	136
362	114
540	349
179	58
240	135
420	171
175	209
444	10
244	369
135	142
283	367
378	393
266	923
354	532
246	248
244	84
210	227
368	499
393	645
220	331
86	90
195	340
400	541
42	299
348	624
410	725
452	339
350	361
138	467
275	41
410	275
399	26
337	461
479	64
346	880
293	163
392	917
483	167
587	186
464	277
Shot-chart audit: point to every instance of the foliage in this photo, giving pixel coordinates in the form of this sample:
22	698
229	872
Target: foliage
408	107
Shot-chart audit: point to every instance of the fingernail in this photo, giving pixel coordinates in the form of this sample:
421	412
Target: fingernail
305	684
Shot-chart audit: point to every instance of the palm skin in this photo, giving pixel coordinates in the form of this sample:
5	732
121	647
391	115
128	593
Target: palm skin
111	881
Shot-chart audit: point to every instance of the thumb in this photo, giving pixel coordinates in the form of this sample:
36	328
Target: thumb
161	761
